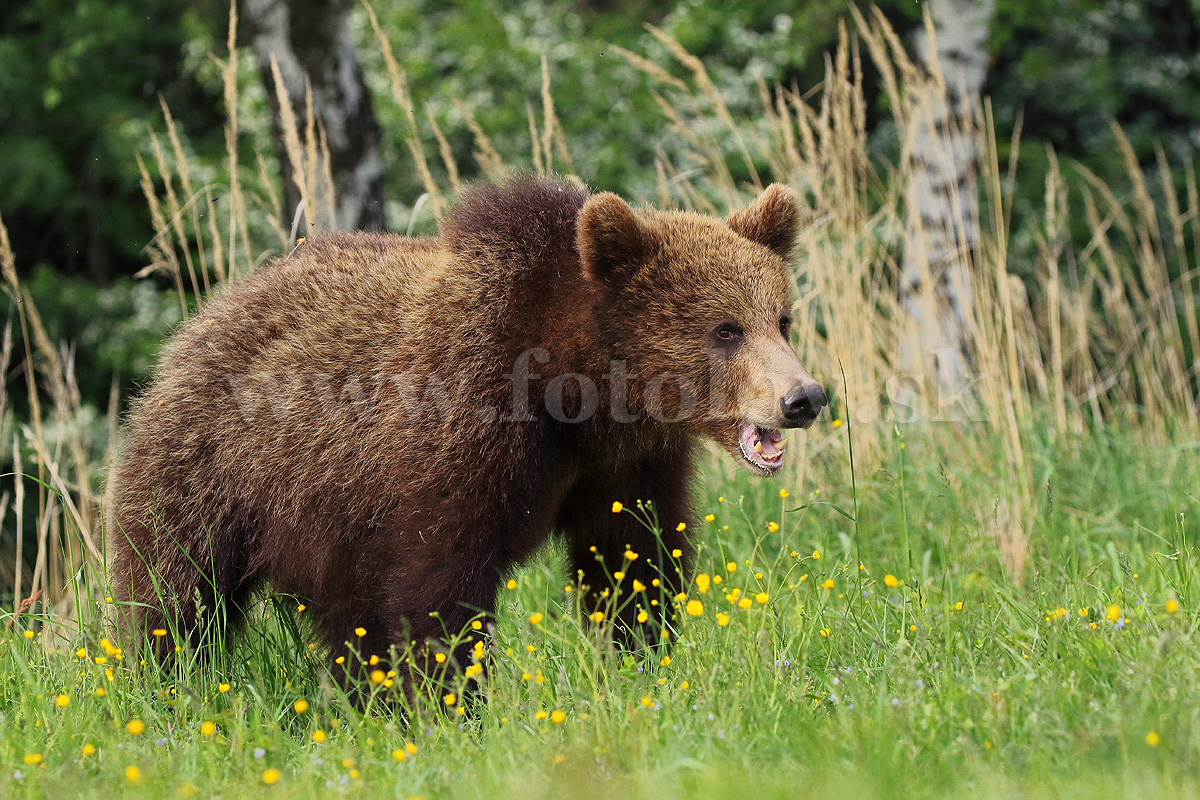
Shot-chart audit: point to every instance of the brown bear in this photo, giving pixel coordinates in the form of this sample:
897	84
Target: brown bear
386	426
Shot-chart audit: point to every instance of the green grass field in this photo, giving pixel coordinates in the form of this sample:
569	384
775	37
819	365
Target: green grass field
964	638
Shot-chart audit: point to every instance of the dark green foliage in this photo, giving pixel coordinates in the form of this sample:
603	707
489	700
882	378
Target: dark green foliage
1070	69
488	55
81	83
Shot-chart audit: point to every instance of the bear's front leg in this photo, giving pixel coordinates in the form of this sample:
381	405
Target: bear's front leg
632	564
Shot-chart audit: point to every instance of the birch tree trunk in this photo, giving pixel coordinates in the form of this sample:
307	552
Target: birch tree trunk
943	220
314	50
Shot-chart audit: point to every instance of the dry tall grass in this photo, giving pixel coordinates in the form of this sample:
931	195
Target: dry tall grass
1101	335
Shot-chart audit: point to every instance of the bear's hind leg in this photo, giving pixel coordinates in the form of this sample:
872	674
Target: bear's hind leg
174	591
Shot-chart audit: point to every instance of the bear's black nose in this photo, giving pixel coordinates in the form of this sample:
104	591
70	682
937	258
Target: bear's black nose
803	403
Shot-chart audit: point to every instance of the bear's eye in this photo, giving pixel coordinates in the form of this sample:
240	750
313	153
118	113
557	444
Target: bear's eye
729	332
785	325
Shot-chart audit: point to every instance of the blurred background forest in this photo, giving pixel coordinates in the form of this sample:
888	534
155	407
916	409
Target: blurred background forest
1095	91
83	81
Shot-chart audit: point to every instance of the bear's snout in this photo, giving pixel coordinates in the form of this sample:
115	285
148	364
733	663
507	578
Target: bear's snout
802	404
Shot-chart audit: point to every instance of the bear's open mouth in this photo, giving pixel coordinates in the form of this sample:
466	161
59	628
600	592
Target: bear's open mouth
762	447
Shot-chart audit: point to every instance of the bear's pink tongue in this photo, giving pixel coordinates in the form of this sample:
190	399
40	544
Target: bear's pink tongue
762	447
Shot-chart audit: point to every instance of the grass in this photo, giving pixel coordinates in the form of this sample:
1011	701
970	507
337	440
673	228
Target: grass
981	671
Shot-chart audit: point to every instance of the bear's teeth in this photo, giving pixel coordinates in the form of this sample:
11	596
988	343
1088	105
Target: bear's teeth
758	448
781	445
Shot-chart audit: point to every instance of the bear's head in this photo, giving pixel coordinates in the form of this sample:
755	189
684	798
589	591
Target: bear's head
700	309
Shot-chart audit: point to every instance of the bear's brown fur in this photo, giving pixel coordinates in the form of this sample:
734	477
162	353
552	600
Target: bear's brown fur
381	424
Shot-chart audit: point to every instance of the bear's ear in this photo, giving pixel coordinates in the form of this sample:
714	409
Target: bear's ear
772	220
611	240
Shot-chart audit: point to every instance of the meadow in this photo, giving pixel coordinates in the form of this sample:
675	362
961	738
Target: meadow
993	595
898	652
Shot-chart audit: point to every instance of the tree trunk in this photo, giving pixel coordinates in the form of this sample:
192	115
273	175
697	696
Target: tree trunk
943	218
313	47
